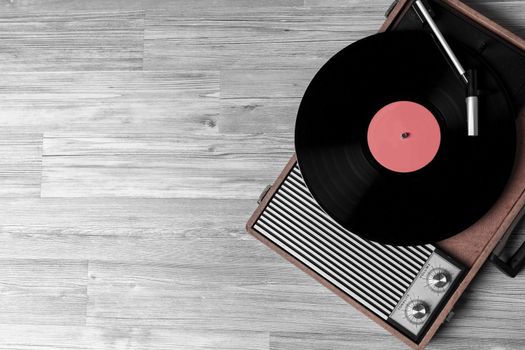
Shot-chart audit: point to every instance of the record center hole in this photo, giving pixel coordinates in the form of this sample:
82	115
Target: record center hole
405	135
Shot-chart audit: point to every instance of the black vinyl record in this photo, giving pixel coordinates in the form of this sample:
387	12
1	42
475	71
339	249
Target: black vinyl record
454	190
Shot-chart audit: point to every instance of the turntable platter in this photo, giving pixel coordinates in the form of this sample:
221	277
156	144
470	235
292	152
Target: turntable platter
381	140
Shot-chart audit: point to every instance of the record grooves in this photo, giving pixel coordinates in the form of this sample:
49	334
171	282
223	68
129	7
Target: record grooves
449	189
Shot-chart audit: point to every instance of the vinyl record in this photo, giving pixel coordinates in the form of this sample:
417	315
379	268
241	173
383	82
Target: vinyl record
381	140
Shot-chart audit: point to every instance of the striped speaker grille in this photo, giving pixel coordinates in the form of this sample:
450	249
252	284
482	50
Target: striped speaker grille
375	275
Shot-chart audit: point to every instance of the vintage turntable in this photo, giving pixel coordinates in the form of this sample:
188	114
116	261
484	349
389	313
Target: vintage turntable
410	169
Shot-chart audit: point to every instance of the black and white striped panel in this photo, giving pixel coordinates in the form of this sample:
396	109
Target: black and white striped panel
375	275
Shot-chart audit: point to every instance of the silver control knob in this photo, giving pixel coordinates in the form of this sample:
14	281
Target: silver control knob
417	311
438	280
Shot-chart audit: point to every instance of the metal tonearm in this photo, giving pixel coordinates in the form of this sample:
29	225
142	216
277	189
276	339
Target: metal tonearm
469	77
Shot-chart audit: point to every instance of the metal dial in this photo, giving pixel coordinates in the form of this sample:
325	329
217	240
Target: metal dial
438	279
417	311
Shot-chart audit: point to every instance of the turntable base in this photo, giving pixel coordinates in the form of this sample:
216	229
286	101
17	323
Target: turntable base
471	254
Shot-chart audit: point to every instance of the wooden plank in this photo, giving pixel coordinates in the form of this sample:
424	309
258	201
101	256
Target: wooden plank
266	83
364	6
209	296
251	38
228	296
161	166
110	102
20	164
43	292
188	231
350	339
158	247
17	337
127	5
58	42
258	115
182	219
359	340
261	101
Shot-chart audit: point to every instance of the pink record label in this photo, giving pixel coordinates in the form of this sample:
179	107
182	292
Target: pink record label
404	136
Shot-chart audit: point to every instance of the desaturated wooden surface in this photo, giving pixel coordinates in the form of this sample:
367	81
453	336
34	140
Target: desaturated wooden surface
135	137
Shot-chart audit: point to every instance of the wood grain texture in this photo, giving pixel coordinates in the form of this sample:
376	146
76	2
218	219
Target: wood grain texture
61	6
43	292
83	41
124	337
20	164
111	102
136	137
232	37
261	101
160	165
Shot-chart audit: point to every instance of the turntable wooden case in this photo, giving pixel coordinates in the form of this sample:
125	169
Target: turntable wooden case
473	246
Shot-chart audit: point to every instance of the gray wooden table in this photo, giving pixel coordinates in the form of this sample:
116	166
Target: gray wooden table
135	137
